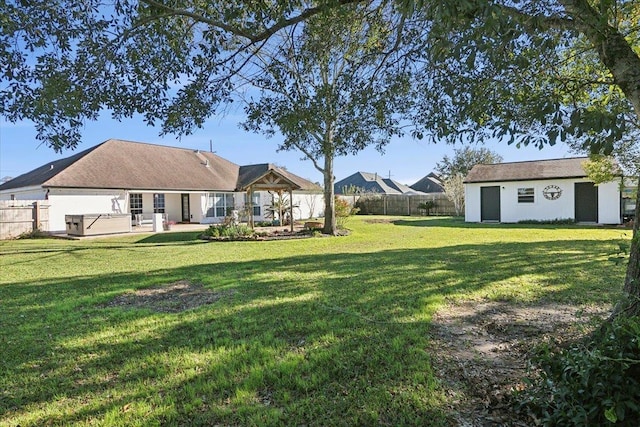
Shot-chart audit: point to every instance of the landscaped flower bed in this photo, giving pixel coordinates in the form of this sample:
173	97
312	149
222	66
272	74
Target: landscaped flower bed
226	233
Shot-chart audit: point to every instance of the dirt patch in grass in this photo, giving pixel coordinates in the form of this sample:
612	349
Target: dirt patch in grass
481	352
169	298
379	221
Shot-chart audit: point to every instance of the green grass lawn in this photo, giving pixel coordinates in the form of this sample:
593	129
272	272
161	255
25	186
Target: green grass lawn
323	331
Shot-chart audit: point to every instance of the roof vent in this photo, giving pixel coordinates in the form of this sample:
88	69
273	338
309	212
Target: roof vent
50	167
206	163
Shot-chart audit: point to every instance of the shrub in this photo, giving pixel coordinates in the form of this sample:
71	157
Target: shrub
594	383
557	221
368	203
228	230
427	206
34	234
343	211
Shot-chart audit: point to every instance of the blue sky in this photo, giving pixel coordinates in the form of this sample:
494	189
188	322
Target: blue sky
407	160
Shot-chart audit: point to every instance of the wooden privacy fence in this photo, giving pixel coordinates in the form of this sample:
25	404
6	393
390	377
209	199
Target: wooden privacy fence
22	216
392	204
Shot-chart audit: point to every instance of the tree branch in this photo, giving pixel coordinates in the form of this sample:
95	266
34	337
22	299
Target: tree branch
309	156
537	22
242	32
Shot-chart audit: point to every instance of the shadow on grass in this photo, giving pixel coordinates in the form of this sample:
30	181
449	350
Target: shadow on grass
50	246
334	339
185	237
460	223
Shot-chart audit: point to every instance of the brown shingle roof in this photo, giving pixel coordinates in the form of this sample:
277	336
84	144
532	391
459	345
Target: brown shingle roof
117	164
123	164
528	171
44	173
251	173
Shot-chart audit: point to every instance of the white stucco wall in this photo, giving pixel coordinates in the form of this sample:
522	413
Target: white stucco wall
75	201
543	209
83	201
609	203
310	205
472	203
304	203
173	206
200	207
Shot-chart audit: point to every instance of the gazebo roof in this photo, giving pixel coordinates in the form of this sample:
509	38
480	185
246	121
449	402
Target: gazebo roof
267	177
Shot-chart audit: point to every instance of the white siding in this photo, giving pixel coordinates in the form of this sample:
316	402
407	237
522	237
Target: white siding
543	209
24	193
609	203
472	202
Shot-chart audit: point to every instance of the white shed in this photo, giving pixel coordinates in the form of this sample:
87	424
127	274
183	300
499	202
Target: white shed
542	190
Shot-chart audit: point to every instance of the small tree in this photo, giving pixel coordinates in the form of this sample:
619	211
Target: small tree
310	200
601	168
454	190
453	170
426	207
464	159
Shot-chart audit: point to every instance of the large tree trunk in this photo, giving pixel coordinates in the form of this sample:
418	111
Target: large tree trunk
624	64
630	302
329	197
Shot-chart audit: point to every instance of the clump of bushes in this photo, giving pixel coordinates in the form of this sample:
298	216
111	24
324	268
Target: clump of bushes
557	221
34	234
591	383
343	211
231	231
265	223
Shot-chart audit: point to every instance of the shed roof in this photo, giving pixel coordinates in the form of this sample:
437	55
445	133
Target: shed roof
528	171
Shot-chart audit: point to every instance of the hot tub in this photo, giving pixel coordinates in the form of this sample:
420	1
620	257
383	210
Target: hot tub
96	224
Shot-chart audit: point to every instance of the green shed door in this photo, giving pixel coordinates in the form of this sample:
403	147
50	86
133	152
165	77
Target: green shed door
490	203
586	202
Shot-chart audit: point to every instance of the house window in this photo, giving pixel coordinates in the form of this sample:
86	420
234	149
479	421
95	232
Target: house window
525	195
135	204
255	203
13	197
219	204
158	203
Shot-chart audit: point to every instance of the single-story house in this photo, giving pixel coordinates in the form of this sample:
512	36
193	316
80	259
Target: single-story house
540	190
365	182
140	179
429	184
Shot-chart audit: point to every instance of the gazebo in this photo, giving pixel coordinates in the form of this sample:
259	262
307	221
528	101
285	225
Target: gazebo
268	177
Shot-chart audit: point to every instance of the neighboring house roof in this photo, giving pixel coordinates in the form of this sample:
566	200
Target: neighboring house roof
364	182
429	184
117	164
528	171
